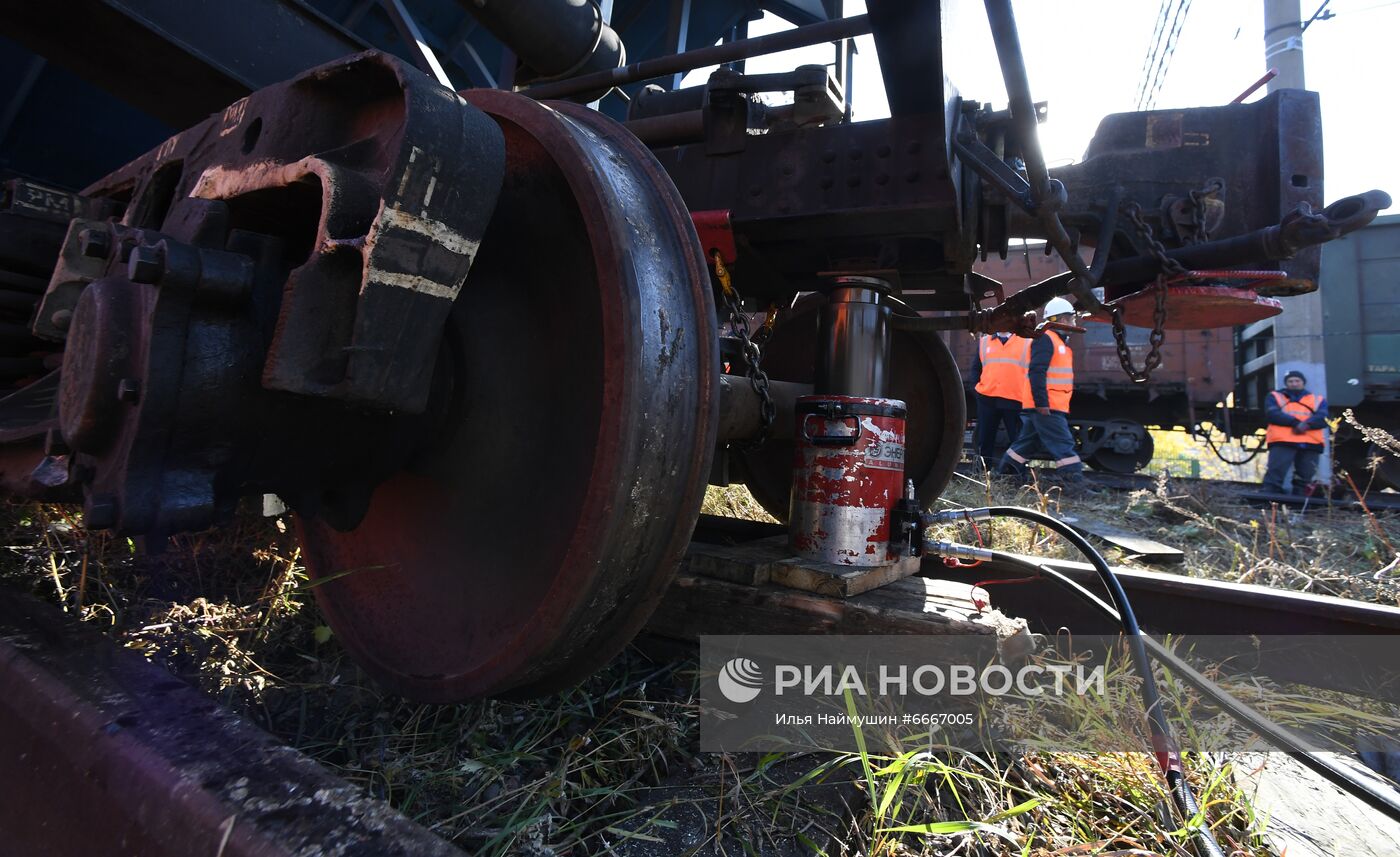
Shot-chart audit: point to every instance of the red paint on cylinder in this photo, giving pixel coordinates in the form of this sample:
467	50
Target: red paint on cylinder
847	476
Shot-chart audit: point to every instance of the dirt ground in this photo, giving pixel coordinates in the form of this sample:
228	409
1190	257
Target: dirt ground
612	766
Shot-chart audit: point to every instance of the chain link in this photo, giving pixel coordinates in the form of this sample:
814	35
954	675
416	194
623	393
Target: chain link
1200	234
752	351
1169	266
1158	333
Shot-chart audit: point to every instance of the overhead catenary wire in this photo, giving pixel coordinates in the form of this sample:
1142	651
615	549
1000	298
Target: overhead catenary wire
1154	47
1169	48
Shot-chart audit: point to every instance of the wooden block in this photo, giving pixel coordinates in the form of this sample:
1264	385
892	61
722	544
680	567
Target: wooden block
770	560
748	563
696	605
1308	815
842	581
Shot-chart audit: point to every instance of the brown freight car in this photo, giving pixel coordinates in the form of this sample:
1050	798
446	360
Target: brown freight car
1110	412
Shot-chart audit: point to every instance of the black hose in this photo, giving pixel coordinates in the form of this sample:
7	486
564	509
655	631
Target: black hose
1186	804
1151	698
1163	745
1252	453
1375	795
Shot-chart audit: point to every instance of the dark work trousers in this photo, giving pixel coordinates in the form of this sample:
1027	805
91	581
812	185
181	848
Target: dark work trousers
1043	436
1301	457
992	413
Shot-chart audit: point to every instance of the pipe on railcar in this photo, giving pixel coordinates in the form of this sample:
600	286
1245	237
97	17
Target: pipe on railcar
812	34
555	38
1298	229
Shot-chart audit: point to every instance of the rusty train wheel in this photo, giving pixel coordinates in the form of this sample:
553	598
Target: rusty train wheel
580	375
1368	463
923	374
1110	460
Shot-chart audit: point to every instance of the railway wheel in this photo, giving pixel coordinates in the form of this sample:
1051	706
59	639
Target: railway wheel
1358	456
922	373
1123	446
576	404
1388	468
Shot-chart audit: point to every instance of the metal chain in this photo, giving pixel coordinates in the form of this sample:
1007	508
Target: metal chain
1159	309
753	353
1155	247
1200	234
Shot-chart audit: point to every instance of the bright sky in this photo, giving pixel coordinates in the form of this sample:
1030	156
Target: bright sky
1086	56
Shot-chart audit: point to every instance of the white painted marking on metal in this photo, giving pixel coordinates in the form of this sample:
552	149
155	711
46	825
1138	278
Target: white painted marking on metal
413	154
440	233
233	116
412	282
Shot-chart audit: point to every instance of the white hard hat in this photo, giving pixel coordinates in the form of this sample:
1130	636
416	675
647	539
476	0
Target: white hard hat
1058	306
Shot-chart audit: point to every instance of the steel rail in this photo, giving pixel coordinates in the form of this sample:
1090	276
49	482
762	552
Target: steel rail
102	751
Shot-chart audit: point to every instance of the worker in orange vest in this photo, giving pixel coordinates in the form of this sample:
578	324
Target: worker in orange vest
1296	436
1045	396
998	373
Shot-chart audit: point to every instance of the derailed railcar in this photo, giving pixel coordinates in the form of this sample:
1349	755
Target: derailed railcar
477	340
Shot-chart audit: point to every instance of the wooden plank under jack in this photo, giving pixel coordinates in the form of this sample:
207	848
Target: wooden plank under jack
1133	543
770	560
722	590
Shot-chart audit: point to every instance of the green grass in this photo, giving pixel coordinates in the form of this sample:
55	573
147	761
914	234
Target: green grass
611	766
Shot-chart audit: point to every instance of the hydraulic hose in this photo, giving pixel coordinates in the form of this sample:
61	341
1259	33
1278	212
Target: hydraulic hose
1377	795
1163	745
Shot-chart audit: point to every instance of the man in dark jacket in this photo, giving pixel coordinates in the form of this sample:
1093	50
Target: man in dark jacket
1045	398
1297	423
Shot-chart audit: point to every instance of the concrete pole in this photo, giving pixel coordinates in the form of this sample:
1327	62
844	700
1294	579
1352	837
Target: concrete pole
1298	342
1283	43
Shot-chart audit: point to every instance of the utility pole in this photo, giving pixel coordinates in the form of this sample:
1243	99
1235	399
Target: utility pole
1283	43
1298	341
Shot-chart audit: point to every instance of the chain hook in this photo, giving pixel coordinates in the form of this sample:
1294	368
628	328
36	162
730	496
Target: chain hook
1158	334
752	352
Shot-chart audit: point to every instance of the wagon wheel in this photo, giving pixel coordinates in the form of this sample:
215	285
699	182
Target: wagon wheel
922	373
1111	460
1356	455
1388	467
580	371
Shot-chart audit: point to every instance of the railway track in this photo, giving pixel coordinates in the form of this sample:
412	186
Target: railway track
1166	604
1248	492
99	746
104	752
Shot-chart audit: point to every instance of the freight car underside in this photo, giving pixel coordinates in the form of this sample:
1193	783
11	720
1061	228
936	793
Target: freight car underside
472	341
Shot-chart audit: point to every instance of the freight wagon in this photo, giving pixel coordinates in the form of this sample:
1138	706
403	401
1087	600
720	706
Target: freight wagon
1221	376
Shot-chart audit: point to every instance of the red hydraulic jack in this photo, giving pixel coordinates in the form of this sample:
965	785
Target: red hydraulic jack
848	474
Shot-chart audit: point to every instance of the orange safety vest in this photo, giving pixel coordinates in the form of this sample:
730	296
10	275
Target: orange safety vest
1059	378
1301	409
1004	366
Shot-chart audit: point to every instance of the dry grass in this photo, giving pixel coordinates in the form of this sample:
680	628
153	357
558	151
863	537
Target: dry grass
1323	550
611	766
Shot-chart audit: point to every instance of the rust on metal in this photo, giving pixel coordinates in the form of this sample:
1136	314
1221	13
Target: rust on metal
1198	307
848	474
103	752
531	544
923	375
